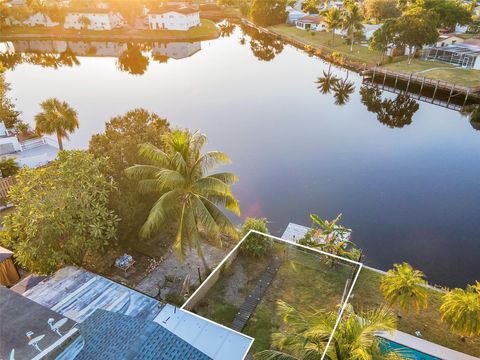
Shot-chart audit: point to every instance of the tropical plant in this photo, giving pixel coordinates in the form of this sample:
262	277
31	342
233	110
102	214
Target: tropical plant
460	309
85	22
188	194
329	236
8	167
383	37
61	213
8	114
405	286
333	20
255	245
307	333
268	12
56	117
381	10
327	82
352	22
119	144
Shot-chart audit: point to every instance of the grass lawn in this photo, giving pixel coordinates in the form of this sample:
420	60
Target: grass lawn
206	30
367	294
440	71
323	40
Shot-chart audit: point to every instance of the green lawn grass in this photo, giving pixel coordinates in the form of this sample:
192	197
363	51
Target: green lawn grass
367	295
207	29
440	71
323	40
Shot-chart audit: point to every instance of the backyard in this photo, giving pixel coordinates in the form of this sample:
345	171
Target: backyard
306	281
323	40
367	294
438	71
303	281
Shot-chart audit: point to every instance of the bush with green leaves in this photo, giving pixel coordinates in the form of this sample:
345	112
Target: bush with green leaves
61	213
256	245
8	167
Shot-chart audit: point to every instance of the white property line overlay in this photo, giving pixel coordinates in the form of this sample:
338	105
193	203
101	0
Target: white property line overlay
220	265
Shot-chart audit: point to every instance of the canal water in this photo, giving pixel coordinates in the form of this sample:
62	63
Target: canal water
404	174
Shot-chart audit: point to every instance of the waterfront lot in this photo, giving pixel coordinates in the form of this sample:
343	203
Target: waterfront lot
438	71
323	40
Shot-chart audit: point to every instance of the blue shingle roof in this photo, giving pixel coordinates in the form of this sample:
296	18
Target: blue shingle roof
114	336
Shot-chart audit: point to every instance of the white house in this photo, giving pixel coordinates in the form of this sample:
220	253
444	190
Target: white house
311	22
95	19
35	152
173	18
38	19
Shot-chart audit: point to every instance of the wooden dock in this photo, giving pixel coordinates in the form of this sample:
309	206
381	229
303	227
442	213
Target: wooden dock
425	89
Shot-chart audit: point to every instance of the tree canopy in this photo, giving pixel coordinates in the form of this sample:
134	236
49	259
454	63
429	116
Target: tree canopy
119	144
62	213
8	114
380	10
187	192
268	12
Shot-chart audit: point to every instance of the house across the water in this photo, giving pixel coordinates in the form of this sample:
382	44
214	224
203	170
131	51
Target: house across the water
173	17
311	23
465	54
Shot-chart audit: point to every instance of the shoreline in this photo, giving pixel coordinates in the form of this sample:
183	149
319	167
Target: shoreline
209	29
350	61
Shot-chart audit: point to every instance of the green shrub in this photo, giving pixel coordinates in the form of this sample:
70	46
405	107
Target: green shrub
174	298
8	167
256	245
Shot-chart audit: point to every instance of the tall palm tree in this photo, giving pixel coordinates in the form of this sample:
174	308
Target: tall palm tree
352	22
327	81
188	194
307	334
333	20
405	286
461	310
56	117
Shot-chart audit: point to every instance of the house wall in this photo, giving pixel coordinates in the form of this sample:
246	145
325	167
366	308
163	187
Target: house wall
38	19
98	21
173	21
313	27
11	140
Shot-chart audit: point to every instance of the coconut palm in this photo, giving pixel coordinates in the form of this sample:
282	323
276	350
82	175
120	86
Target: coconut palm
327	81
461	310
188	194
307	333
333	20
405	286
352	22
56	117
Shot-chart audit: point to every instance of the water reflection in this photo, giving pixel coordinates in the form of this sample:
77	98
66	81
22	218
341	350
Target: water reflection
264	47
133	58
342	88
394	113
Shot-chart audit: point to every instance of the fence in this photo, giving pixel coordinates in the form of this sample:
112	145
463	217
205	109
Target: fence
5	185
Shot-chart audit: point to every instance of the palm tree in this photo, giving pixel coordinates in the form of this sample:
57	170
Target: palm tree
327	81
352	22
187	195
405	286
307	334
56	117
333	21
461	310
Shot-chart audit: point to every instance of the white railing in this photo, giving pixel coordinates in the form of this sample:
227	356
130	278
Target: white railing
37	142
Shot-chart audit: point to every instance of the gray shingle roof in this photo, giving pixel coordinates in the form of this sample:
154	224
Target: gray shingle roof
114	336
